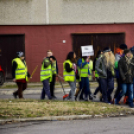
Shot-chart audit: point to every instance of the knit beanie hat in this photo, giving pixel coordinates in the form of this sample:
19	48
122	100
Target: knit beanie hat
106	49
20	54
123	46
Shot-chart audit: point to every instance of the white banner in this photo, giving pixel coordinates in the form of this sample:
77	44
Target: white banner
87	50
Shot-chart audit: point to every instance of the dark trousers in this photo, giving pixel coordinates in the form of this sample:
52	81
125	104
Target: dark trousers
107	87
84	86
52	85
46	89
98	88
117	92
21	88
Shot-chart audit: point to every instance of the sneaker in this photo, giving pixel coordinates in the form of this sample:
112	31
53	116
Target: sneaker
81	99
90	97
14	95
86	99
54	98
94	96
131	106
75	98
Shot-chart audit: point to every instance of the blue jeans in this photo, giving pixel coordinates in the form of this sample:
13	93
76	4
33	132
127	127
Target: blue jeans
107	86
84	86
72	91
46	89
129	89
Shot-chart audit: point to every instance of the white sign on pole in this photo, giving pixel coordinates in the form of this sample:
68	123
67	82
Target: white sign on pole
87	50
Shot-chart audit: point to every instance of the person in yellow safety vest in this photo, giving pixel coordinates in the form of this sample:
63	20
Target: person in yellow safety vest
95	73
54	74
90	65
69	74
46	77
84	83
20	74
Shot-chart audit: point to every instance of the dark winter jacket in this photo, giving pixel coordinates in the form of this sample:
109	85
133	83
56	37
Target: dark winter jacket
102	70
101	67
126	70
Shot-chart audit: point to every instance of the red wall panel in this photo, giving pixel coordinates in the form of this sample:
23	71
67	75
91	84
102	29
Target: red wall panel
38	39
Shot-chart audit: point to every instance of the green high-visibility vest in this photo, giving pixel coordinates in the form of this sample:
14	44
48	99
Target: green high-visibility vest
46	73
68	76
21	71
78	80
84	70
90	65
54	68
96	73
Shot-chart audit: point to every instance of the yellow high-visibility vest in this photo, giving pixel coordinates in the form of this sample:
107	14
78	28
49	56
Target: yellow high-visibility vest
21	71
46	73
84	70
68	76
54	68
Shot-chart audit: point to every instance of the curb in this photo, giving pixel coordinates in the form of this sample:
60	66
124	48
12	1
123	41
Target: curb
63	118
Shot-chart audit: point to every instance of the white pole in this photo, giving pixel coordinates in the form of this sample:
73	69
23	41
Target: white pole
47	12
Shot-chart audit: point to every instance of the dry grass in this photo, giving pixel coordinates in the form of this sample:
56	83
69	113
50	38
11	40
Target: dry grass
37	108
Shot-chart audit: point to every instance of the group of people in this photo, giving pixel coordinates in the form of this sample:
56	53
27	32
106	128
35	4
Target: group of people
48	73
104	69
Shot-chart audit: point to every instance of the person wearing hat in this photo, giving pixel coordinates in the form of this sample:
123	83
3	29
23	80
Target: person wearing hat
20	74
119	52
105	68
126	71
83	66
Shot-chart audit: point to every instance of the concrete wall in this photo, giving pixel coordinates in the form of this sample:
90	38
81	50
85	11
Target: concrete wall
66	11
21	12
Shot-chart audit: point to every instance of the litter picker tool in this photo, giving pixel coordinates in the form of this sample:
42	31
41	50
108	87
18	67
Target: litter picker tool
65	95
34	71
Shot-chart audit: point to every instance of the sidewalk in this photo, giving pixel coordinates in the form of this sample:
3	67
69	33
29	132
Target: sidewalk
35	88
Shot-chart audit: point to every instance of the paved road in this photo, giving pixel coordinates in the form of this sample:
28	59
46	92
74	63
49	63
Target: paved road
93	126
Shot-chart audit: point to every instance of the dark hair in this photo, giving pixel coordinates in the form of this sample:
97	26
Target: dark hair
70	56
52	57
123	46
98	53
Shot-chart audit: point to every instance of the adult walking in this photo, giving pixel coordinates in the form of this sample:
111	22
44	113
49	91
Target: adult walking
82	63
46	77
54	72
105	68
20	74
126	71
69	74
95	73
119	53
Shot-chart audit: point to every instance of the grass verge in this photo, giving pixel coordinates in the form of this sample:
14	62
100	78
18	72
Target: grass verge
12	108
